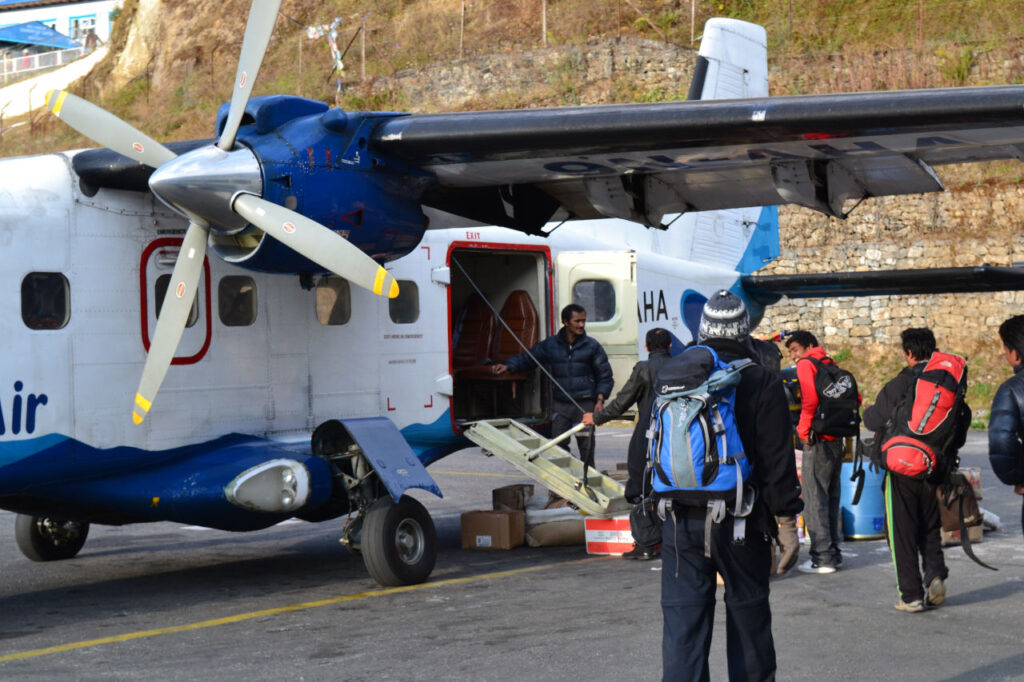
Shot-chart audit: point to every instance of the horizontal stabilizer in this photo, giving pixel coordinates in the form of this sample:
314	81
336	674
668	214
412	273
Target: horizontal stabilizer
768	289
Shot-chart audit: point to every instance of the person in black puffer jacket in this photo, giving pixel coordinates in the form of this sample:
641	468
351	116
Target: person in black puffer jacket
638	390
1006	421
579	366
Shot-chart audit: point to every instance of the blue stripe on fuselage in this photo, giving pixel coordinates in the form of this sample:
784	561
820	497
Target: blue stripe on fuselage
184	484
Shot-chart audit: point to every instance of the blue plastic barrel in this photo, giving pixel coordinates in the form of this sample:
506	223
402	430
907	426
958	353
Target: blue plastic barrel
866	519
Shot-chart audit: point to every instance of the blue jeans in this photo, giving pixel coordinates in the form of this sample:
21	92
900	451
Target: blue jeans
820	480
688	599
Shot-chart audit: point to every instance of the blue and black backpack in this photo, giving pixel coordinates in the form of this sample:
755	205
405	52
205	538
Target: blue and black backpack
694	447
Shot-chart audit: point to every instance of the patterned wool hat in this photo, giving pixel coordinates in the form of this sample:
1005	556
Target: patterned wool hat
724	317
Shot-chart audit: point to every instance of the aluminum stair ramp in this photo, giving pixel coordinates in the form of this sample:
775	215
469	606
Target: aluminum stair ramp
547	463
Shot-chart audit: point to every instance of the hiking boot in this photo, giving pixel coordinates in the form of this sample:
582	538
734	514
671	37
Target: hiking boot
916	606
936	592
812	566
641	554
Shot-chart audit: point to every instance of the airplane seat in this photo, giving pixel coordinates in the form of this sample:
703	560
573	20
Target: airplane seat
472	350
520	315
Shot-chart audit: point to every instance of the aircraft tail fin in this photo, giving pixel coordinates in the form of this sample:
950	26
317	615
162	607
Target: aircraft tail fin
732	62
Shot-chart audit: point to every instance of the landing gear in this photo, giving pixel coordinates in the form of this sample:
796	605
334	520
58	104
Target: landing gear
397	540
399	543
44	538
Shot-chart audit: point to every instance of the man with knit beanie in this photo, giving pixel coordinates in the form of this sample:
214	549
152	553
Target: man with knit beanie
739	549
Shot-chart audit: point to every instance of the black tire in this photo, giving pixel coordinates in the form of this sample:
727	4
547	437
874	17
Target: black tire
399	543
44	538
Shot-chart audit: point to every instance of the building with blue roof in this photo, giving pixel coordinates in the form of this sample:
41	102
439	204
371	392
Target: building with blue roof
37	35
72	18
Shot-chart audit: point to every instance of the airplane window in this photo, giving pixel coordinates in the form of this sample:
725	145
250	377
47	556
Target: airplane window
333	301
405	308
236	300
160	290
45	300
597	296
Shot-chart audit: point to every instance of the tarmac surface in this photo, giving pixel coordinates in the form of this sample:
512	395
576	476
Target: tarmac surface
167	602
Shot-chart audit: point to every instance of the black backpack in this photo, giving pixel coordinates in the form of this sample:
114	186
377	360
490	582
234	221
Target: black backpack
838	412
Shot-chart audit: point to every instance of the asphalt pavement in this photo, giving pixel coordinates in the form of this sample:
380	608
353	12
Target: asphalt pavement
171	602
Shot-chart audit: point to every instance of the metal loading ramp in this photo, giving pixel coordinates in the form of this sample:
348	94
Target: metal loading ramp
547	463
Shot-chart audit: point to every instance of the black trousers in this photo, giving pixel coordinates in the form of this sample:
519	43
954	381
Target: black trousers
913	524
564	417
688	586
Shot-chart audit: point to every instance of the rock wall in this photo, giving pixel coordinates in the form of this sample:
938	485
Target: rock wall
971	226
584	74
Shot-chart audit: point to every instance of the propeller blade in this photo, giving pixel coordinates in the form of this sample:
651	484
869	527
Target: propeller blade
317	243
173	316
262	16
106	129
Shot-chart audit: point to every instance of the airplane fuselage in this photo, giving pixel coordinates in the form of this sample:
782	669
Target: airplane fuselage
269	357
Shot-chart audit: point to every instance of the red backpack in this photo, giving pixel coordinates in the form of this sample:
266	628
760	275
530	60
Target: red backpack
925	423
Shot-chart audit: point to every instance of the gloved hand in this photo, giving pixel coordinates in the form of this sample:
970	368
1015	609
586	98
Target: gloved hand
789	543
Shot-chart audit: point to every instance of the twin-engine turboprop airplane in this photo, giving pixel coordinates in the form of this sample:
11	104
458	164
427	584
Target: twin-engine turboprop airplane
108	249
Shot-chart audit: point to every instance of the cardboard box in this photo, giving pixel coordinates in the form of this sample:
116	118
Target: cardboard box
952	537
973	476
497	529
608	536
512	496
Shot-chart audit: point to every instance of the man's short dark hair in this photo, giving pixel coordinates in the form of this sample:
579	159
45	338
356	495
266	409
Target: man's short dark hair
801	336
1012	334
570	310
658	339
920	341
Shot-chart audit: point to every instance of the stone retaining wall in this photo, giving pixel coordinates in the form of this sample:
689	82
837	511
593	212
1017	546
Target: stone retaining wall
975	226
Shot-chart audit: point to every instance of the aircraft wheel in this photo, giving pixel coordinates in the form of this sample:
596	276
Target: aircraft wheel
399	543
42	538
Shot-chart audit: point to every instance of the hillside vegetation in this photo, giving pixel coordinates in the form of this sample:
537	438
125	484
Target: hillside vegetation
183	54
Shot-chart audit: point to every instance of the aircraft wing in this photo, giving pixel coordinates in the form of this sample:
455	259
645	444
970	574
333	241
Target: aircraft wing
642	161
768	289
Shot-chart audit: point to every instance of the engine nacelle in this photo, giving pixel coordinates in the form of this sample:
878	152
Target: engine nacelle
319	166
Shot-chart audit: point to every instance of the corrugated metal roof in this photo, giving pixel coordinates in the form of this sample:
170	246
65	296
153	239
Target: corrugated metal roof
35	33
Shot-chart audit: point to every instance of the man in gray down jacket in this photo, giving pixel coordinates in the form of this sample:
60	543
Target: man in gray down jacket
582	377
1006	422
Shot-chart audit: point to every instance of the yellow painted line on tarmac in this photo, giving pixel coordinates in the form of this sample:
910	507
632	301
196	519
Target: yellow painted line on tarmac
238	618
478	473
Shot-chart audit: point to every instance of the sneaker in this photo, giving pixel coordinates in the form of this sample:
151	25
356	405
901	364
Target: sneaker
936	592
641	554
916	606
812	566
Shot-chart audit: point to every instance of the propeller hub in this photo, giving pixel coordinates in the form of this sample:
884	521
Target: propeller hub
200	185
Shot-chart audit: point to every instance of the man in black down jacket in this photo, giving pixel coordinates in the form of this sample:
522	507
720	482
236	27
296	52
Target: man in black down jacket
638	390
688	581
1006	423
580	367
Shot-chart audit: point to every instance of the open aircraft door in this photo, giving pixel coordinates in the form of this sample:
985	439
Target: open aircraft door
604	282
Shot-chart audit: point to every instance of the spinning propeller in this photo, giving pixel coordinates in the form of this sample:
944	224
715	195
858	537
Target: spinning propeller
217	188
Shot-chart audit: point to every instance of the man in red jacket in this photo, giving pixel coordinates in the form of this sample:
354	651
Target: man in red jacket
822	460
